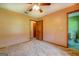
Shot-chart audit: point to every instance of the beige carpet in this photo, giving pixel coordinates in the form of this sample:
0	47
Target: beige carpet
35	48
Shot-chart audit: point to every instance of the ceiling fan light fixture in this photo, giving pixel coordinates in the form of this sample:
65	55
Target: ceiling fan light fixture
36	7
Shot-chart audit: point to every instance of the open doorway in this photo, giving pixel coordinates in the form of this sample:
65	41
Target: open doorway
33	29
37	29
73	30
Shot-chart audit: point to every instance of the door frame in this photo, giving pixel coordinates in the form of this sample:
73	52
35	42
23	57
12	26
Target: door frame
42	28
30	27
67	23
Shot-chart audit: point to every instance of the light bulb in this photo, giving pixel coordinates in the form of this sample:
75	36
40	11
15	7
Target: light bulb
36	7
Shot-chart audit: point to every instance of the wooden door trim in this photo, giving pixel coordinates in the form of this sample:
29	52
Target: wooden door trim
42	28
30	27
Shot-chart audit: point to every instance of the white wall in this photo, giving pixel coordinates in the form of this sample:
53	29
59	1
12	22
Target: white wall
14	28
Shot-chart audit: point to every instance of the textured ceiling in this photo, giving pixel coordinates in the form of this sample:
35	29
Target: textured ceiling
22	7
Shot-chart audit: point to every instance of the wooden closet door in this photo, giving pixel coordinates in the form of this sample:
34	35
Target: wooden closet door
39	30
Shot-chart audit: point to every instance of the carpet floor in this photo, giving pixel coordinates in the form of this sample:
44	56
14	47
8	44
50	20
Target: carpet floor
35	48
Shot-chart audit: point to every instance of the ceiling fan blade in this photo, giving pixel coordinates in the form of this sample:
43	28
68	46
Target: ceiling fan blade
41	10
29	3
45	4
42	4
30	9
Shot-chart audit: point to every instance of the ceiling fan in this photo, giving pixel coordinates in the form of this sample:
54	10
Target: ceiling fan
36	7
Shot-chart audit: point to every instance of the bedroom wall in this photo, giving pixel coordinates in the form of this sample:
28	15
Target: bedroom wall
55	26
14	28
